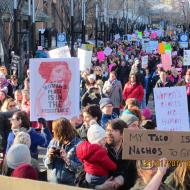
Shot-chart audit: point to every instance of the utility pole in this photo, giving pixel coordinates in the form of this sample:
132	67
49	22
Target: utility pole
29	28
96	25
105	21
15	27
33	27
83	20
72	27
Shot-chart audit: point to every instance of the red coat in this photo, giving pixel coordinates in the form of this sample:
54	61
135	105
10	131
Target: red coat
133	91
95	159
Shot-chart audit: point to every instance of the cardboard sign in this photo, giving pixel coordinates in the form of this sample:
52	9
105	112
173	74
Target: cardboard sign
54	86
186	60
166	61
171	109
116	37
11	183
101	56
145	61
107	51
153	145
62	52
84	59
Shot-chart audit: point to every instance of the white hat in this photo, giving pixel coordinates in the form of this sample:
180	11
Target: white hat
18	154
92	76
95	133
23	138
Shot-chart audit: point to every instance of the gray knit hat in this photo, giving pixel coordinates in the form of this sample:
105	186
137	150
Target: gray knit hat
18	154
104	102
129	118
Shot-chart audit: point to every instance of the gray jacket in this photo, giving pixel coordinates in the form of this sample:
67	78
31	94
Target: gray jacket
113	90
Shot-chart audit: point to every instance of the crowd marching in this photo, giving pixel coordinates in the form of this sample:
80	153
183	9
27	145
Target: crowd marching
86	151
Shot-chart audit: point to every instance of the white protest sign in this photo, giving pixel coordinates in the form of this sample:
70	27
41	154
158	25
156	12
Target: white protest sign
116	37
54	90
186	59
84	59
152	46
62	52
171	109
107	51
144	61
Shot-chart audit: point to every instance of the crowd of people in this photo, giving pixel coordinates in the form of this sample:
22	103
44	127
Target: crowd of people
86	151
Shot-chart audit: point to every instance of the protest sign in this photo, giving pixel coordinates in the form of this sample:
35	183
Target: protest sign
153	145
107	51
62	52
174	53
151	46
186	60
166	61
161	48
54	83
144	61
168	47
140	35
11	183
153	35
116	37
171	109
101	56
84	59
88	47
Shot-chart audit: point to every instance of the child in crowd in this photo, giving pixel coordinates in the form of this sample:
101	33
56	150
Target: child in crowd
93	155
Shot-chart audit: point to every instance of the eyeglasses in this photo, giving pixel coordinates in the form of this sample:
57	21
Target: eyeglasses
12	106
13	119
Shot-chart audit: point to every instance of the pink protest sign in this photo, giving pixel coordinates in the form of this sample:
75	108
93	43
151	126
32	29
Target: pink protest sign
166	61
101	56
153	35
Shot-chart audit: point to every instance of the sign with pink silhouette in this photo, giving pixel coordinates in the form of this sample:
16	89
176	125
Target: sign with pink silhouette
54	88
171	109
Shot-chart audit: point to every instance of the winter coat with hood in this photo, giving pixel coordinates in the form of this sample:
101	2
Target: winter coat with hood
95	159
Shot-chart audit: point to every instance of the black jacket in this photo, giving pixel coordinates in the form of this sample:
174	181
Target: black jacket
126	168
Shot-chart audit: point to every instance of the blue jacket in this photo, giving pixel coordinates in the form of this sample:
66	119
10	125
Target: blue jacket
37	139
58	170
106	118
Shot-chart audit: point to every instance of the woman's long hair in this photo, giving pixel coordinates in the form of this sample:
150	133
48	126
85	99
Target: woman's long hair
182	175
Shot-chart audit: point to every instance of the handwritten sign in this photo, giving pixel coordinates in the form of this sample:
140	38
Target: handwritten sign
117	37
145	61
54	83
166	61
84	59
171	109
186	60
62	52
107	51
153	145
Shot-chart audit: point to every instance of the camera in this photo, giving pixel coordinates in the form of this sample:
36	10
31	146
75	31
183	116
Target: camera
56	152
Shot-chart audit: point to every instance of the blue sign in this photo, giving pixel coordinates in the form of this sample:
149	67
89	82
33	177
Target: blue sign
61	39
183	40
